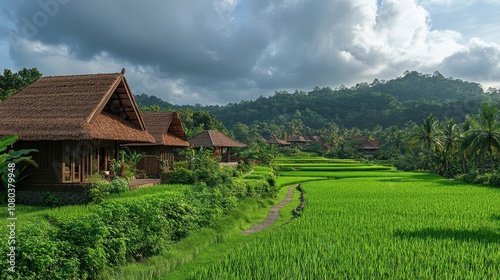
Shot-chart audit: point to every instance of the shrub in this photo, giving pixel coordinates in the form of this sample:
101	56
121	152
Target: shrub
49	199
119	185
482	179
40	255
495	180
85	239
79	245
181	175
99	190
271	179
468	177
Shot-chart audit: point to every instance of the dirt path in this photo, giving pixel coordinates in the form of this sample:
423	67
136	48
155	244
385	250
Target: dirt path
273	214
249	172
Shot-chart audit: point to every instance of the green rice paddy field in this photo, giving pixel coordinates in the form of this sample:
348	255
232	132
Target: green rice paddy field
372	222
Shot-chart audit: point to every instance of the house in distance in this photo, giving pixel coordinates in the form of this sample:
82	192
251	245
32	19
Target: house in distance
365	145
166	128
298	140
279	142
218	141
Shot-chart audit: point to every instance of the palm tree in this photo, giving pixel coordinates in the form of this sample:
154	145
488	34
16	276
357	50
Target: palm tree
449	139
427	136
484	137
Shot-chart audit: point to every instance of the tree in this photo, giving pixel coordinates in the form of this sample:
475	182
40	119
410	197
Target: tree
11	82
427	137
484	137
449	139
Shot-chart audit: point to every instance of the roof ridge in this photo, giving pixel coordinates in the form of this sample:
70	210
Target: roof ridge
210	136
79	75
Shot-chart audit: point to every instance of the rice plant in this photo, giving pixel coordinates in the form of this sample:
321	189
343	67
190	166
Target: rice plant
375	225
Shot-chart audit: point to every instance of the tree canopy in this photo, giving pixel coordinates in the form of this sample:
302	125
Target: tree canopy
11	82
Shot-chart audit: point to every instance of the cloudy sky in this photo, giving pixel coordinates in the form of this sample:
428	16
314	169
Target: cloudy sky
222	51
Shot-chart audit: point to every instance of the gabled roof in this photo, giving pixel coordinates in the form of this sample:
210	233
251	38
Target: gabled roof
166	128
275	140
370	145
214	138
297	138
77	107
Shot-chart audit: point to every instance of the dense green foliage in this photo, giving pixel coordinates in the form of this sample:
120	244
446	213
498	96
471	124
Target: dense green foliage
410	97
80	242
10	82
9	172
193	121
396	226
201	167
84	241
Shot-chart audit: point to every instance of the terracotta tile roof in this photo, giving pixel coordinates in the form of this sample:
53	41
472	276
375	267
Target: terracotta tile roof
166	128
214	138
78	107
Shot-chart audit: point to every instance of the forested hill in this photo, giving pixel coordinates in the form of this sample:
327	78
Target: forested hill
412	96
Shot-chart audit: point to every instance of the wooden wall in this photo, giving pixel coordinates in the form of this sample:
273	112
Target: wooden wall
48	158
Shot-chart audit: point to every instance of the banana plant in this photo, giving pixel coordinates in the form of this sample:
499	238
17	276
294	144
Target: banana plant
10	157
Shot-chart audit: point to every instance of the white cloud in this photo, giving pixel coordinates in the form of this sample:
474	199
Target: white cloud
479	60
222	51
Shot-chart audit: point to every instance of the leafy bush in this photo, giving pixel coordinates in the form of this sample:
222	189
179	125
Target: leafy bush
49	199
41	255
181	175
271	179
98	190
84	238
495	180
482	179
119	185
468	177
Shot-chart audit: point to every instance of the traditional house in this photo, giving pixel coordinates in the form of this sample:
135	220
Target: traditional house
220	142
365	144
77	124
279	142
297	140
369	145
167	130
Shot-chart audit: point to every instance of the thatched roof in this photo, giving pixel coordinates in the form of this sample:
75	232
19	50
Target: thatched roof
358	138
78	107
214	138
297	139
278	141
166	128
373	144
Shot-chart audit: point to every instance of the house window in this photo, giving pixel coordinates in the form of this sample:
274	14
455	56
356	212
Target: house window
72	164
86	162
82	160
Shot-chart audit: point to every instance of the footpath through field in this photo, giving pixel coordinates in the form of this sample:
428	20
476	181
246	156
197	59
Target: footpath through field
273	214
299	170
372	222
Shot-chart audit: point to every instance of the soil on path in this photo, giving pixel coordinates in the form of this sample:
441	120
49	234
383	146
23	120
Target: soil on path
273	214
